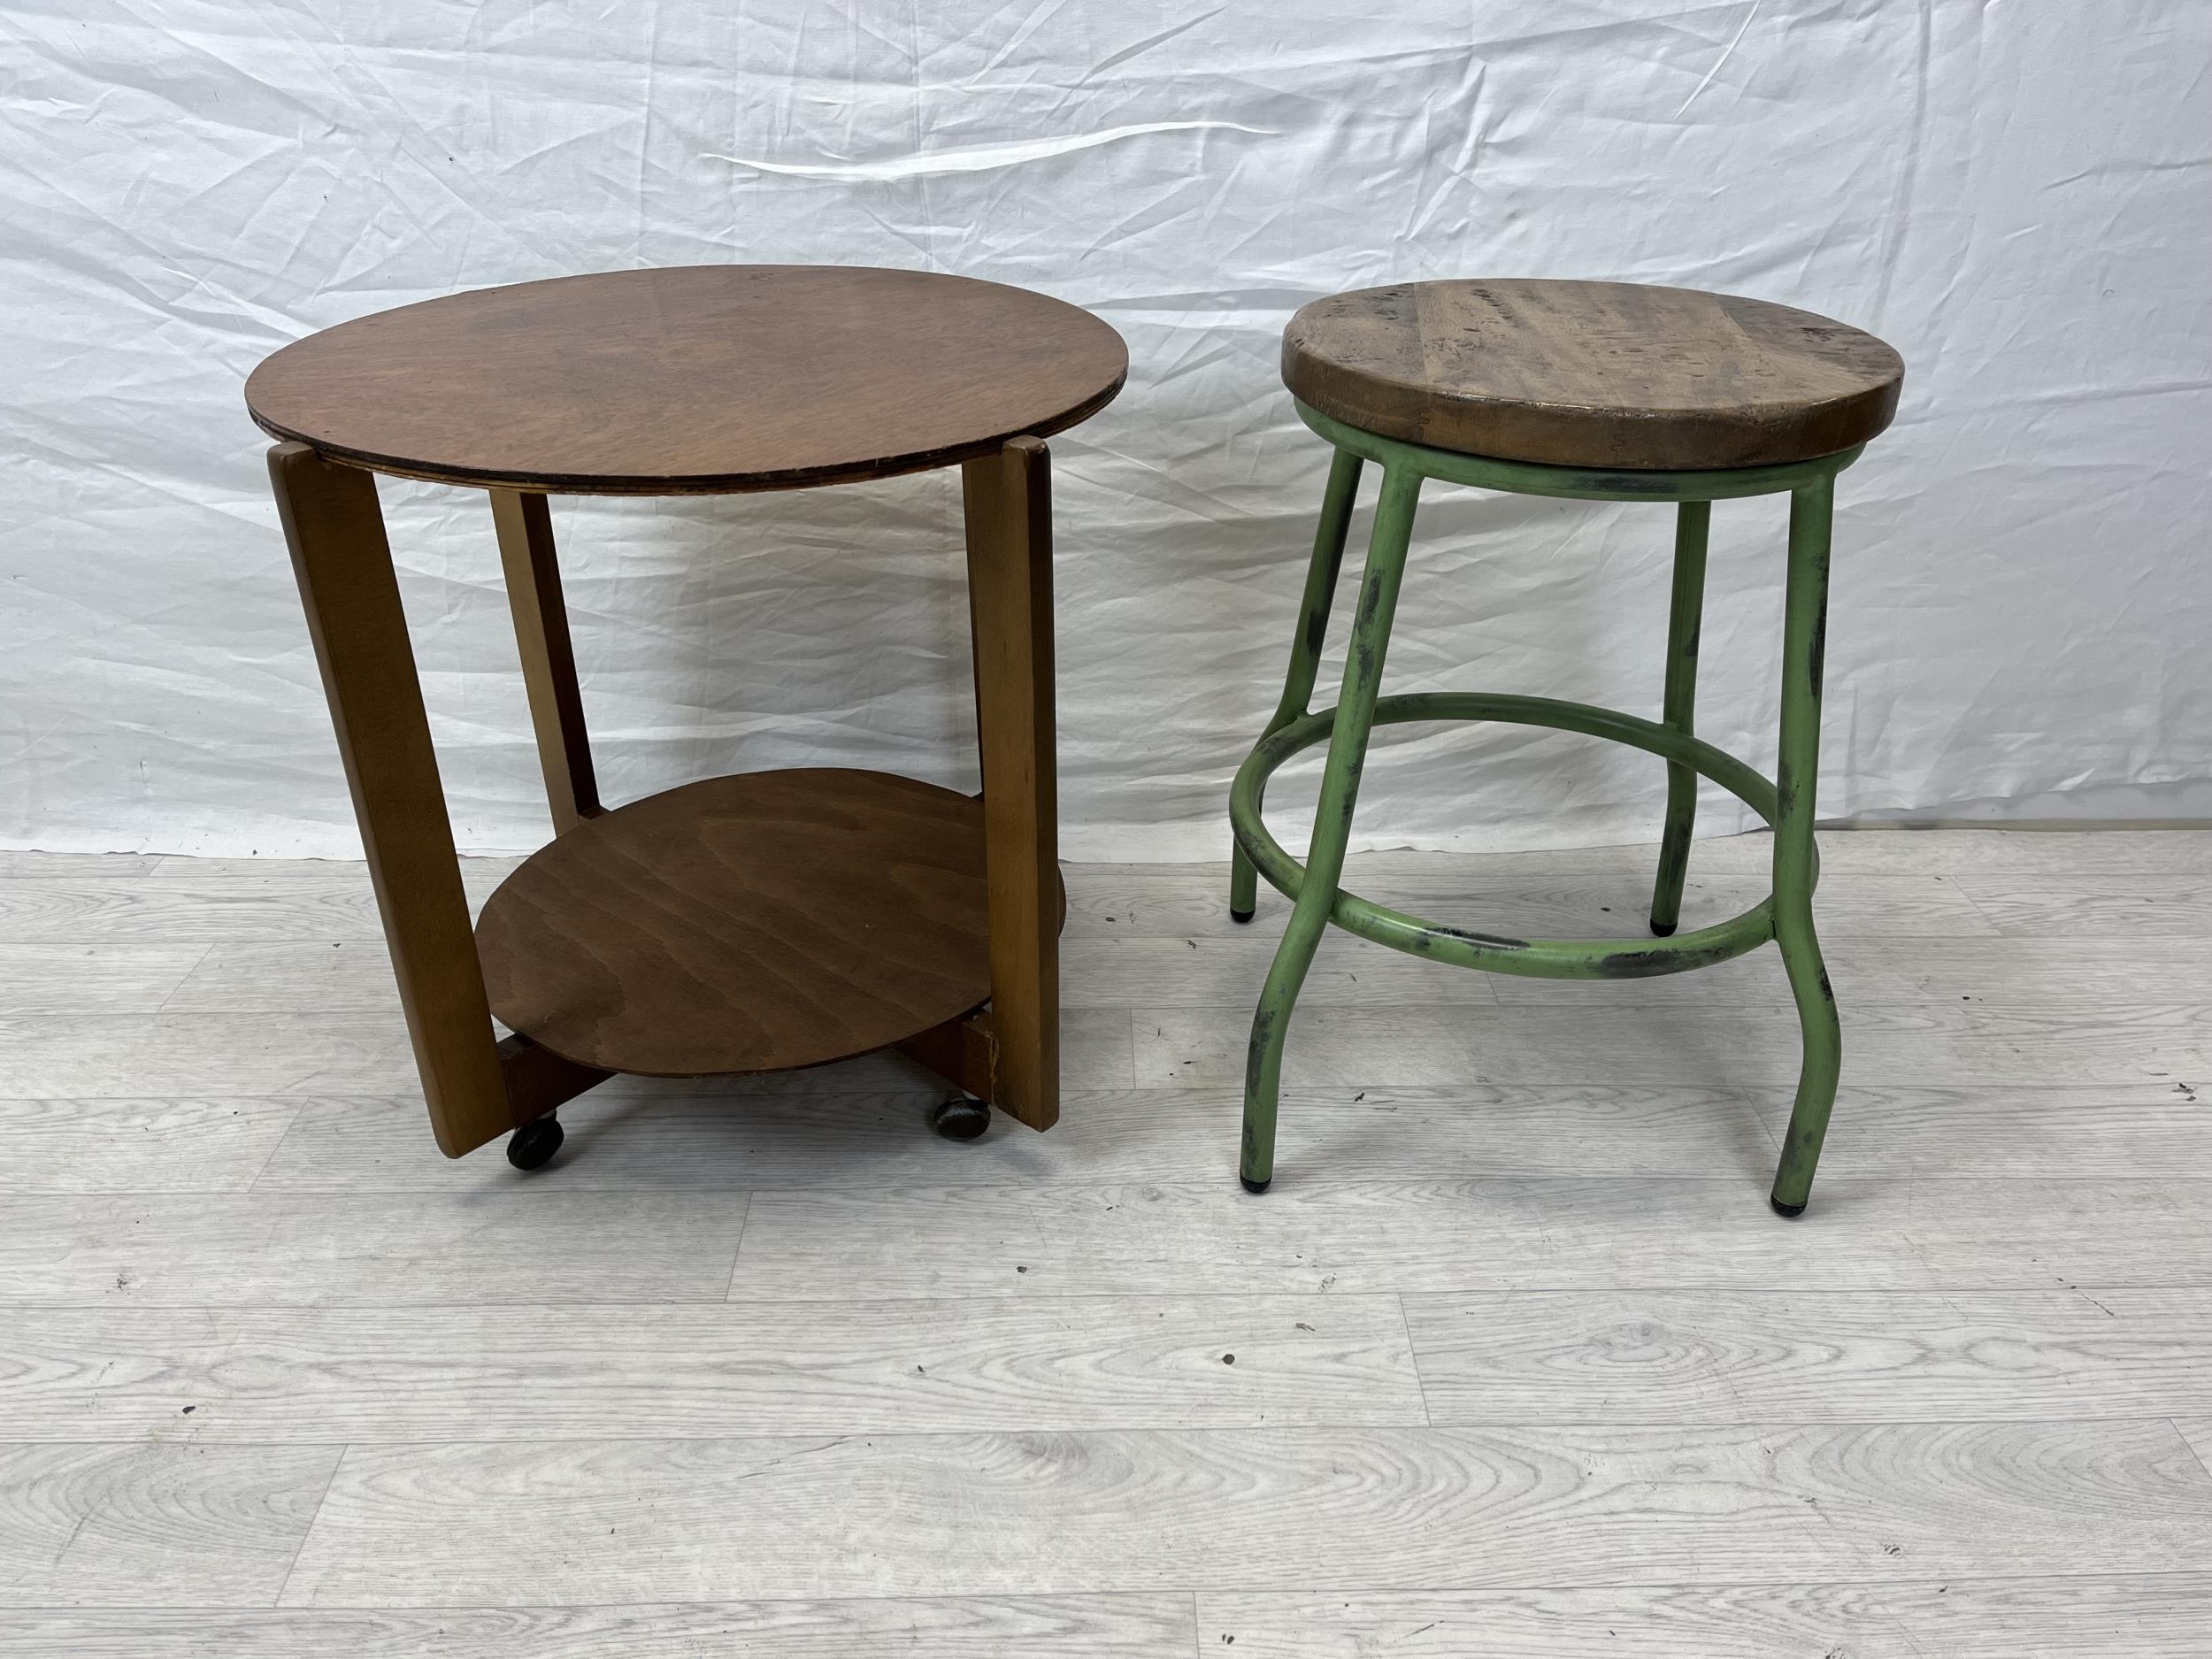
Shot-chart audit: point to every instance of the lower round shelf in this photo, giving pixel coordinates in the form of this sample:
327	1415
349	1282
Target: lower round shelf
753	922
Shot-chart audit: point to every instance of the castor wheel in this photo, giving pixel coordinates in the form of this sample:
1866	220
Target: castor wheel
533	1146
962	1120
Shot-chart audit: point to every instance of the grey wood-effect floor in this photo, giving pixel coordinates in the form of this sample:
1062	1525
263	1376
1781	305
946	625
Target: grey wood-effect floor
1513	1360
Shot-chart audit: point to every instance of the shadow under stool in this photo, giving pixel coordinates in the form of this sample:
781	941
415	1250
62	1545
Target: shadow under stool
1596	391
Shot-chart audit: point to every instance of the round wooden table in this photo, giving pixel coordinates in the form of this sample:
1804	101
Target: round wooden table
750	923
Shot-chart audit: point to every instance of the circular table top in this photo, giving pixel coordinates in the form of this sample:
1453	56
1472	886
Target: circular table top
1591	374
695	380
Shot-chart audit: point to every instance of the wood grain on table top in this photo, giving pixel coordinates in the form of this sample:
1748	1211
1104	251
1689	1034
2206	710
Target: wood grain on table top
693	379
745	923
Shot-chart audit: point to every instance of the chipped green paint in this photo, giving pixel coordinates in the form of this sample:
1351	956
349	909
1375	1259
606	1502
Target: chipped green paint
1536	958
1796	780
1313	630
1340	793
1684	617
1528	478
1314	888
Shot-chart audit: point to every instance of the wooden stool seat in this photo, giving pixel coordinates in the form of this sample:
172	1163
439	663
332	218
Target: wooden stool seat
1591	374
695	380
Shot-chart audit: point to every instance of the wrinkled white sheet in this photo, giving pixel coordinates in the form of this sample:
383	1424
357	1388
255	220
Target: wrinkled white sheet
2018	196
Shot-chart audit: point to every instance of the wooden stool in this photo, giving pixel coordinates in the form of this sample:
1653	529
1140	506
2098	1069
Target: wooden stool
1603	391
752	922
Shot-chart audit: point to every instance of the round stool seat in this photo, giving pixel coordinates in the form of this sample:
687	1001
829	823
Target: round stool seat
1591	374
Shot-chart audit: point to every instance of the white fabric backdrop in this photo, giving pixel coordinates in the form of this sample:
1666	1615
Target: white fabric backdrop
2018	197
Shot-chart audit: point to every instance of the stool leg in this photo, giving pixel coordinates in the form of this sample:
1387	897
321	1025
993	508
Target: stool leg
1691	521
1333	818
1804	633
1305	650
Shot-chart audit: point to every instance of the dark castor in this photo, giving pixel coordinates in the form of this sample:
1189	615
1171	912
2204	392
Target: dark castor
962	1120
533	1146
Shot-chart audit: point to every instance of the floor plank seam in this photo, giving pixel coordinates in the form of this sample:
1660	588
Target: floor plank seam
737	1247
2189	1445
1413	1352
1715	1287
298	1550
1058	1424
818	1438
2153	1575
1640	1586
276	1147
198	963
1731	1289
632	1191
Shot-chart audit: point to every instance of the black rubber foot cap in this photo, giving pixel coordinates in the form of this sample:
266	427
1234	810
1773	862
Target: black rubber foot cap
533	1146
1664	931
1240	915
1789	1212
1251	1186
960	1120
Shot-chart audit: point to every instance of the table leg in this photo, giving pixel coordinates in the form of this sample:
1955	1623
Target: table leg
344	563
548	659
1008	501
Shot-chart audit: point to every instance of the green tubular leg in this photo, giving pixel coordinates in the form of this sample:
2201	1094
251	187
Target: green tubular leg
1317	897
1691	519
1305	650
1332	817
1796	778
1494	953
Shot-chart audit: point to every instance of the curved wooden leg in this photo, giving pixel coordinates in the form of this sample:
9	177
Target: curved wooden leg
1007	499
1797	776
1691	520
1332	823
1305	649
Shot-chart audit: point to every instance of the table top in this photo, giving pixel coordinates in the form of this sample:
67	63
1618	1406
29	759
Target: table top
1591	374
694	380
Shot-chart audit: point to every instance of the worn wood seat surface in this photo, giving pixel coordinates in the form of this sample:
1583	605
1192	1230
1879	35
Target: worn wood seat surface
1591	374
752	923
695	380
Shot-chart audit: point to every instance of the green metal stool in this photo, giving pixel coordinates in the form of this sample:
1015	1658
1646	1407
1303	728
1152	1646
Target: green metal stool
1596	391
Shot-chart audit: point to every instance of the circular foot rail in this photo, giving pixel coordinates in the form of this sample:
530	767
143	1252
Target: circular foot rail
1538	958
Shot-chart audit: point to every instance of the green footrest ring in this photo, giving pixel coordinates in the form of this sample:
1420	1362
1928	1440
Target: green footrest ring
1536	958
